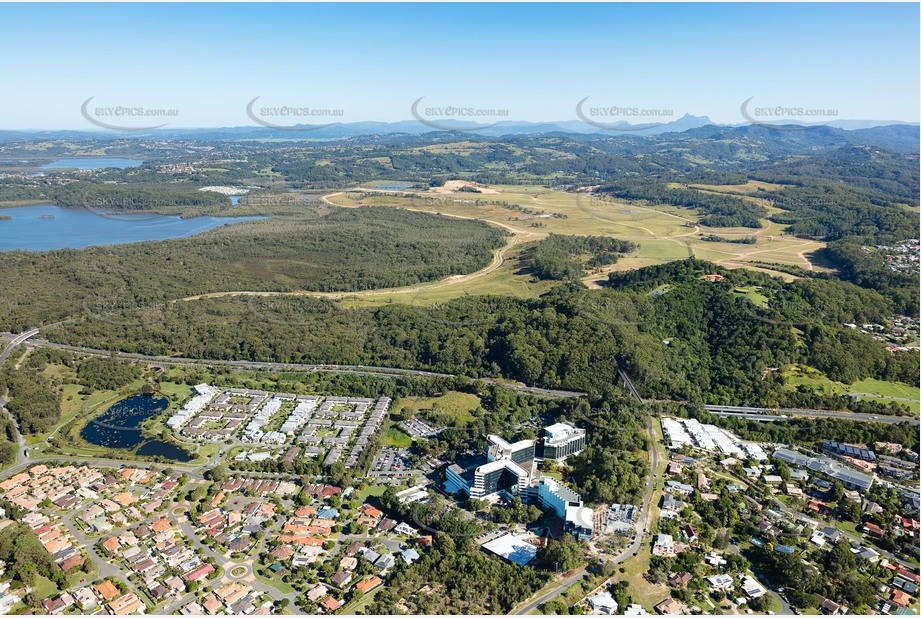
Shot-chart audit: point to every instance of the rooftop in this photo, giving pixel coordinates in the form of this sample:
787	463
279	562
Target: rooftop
512	548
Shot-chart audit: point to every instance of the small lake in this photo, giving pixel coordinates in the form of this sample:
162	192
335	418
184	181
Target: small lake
46	227
120	427
392	185
95	163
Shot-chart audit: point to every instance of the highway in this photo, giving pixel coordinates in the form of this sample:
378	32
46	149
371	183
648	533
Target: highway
21	451
776	414
387	372
766	414
642	523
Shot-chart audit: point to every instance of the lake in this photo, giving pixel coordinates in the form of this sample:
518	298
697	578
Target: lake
391	185
120	427
96	163
45	227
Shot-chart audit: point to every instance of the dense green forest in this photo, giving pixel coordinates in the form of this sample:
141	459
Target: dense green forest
346	250
454	576
691	340
32	399
560	256
613	468
8	446
25	559
699	341
447	580
716	210
98	374
745	240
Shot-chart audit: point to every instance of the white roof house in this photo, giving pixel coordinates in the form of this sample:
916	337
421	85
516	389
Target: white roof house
752	588
603	602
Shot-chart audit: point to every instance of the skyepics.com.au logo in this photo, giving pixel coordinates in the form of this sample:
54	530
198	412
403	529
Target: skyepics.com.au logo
293	117
288	310
117	307
622	118
786	117
456	117
125	207
614	308
275	205
788	308
126	117
464	311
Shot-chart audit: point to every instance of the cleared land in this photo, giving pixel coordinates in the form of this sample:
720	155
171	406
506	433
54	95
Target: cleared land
451	408
530	213
873	390
664	232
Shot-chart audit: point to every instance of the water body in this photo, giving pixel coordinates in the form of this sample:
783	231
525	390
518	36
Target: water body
45	227
96	163
392	185
120	427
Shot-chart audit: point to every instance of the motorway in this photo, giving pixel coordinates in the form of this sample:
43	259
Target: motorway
21	451
765	414
387	372
776	414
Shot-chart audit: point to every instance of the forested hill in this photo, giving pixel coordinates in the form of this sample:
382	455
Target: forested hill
694	340
897	137
885	176
347	249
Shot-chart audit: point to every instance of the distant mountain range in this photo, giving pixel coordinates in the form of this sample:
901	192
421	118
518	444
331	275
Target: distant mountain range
415	127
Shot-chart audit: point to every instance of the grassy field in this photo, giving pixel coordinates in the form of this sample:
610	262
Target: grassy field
870	389
448	409
371	490
275	582
44	588
664	233
77	408
506	280
395	437
752	295
643	592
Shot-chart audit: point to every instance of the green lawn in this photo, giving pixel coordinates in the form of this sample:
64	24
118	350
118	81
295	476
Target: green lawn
644	593
361	604
752	295
393	436
447	409
370	490
885	389
274	582
870	389
44	588
847	526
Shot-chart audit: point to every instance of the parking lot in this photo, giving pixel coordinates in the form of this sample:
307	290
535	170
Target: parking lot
391	462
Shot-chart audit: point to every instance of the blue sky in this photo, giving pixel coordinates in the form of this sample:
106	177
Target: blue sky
534	60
